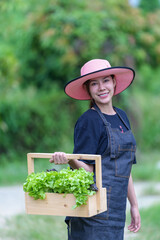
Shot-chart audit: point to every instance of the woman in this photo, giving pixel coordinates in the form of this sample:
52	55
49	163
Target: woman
104	130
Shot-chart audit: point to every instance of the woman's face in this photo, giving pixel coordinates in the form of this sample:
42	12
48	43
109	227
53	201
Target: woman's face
102	89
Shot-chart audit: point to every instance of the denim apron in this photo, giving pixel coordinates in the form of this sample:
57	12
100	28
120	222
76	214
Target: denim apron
116	167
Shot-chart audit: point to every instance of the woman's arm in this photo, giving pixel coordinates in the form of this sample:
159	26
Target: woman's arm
61	158
135	216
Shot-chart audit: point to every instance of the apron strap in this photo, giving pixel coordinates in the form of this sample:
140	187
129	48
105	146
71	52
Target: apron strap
109	131
119	115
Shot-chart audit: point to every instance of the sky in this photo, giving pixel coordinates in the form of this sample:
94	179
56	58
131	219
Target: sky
134	3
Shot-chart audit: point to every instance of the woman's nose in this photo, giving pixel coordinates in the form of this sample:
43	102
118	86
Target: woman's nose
101	86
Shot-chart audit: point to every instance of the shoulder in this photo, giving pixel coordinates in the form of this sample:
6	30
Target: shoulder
88	118
123	115
89	114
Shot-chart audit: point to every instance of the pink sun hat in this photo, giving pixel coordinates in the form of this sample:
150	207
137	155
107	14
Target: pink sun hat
98	68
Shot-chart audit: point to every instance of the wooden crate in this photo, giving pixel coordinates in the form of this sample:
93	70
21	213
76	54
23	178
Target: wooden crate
57	204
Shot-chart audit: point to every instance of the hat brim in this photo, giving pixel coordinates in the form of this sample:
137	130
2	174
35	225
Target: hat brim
124	77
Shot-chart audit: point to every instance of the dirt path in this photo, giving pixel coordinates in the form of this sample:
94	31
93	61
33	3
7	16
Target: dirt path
11	201
142	189
12	198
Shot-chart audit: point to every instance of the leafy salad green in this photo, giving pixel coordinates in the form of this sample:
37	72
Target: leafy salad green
77	182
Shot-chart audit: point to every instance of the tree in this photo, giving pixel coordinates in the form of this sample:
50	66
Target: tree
149	6
48	41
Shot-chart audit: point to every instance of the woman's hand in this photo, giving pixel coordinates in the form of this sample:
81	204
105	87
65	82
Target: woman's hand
59	158
135	220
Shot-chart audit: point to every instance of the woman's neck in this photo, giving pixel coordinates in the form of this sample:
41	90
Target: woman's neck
106	109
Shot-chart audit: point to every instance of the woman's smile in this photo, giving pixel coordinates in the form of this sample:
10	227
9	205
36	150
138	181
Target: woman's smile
103	95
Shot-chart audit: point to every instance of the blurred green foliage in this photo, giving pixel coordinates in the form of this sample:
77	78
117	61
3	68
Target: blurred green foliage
48	41
43	44
149	6
33	120
148	168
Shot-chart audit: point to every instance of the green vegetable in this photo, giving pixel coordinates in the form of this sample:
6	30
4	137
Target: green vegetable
76	181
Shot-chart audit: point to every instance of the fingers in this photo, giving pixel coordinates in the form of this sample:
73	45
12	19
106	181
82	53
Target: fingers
59	158
135	225
134	228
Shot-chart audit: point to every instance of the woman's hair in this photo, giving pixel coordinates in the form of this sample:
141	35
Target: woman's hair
86	85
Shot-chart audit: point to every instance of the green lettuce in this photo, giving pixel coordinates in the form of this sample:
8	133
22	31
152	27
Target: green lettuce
77	181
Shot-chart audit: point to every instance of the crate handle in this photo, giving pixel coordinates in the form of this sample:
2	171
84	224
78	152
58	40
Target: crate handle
98	170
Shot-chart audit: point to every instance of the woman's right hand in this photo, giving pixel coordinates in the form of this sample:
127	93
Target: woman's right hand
59	158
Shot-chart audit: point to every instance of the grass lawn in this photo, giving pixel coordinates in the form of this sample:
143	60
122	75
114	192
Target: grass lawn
14	171
147	167
150	224
32	227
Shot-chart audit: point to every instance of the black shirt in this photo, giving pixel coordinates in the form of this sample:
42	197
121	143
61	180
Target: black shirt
90	135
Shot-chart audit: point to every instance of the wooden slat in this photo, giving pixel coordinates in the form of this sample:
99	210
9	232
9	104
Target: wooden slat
95	205
57	204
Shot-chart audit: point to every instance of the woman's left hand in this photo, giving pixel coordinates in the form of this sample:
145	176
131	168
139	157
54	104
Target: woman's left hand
135	220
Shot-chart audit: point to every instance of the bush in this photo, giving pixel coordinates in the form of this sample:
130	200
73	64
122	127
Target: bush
149	137
39	121
40	40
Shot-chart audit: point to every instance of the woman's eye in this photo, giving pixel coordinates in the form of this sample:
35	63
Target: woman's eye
93	84
106	80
